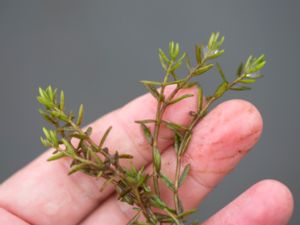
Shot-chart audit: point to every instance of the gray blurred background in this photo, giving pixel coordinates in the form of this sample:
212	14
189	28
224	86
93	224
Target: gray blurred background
98	50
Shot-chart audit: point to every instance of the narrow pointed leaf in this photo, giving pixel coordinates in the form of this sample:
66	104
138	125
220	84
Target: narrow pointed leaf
180	98
168	182
240	69
203	69
80	115
56	156
198	53
171	48
104	137
184	174
211	40
62	101
199	98
217	54
174	126
156	201
147	133
151	86
221	89
184	144
188	63
163	55
240	88
247	81
69	148
77	167
221	72
177	142
156	159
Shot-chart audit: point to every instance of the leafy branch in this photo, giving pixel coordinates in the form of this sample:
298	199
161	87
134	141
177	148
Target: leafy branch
132	185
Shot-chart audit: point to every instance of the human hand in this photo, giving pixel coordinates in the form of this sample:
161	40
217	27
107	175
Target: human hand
43	194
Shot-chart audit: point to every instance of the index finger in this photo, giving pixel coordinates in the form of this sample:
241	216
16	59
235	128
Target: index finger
43	193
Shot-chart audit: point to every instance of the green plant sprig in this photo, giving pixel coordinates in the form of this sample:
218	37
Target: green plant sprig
133	185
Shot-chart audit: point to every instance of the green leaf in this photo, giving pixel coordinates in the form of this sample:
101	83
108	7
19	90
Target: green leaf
216	54
51	93
151	86
45	142
125	156
203	69
163	55
188	63
42	93
177	142
211	40
94	156
198	53
221	89
176	221
176	51
60	115
186	213
221	72
178	63
147	133
104	137
199	98
80	115
240	88
240	69
180	98
70	151
184	144
182	57
77	167
45	102
174	126
184	174
247	81
258	67
216	38
156	159
175	66
145	121
163	64
168	182
154	83
190	84
46	133
164	61
56	156
254	75
157	202
47	117
220	42
171	48
62	101
179	81
248	62
54	138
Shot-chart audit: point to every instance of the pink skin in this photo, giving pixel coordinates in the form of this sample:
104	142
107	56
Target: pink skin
266	203
43	194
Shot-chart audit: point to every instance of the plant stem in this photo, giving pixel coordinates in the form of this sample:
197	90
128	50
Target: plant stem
161	107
